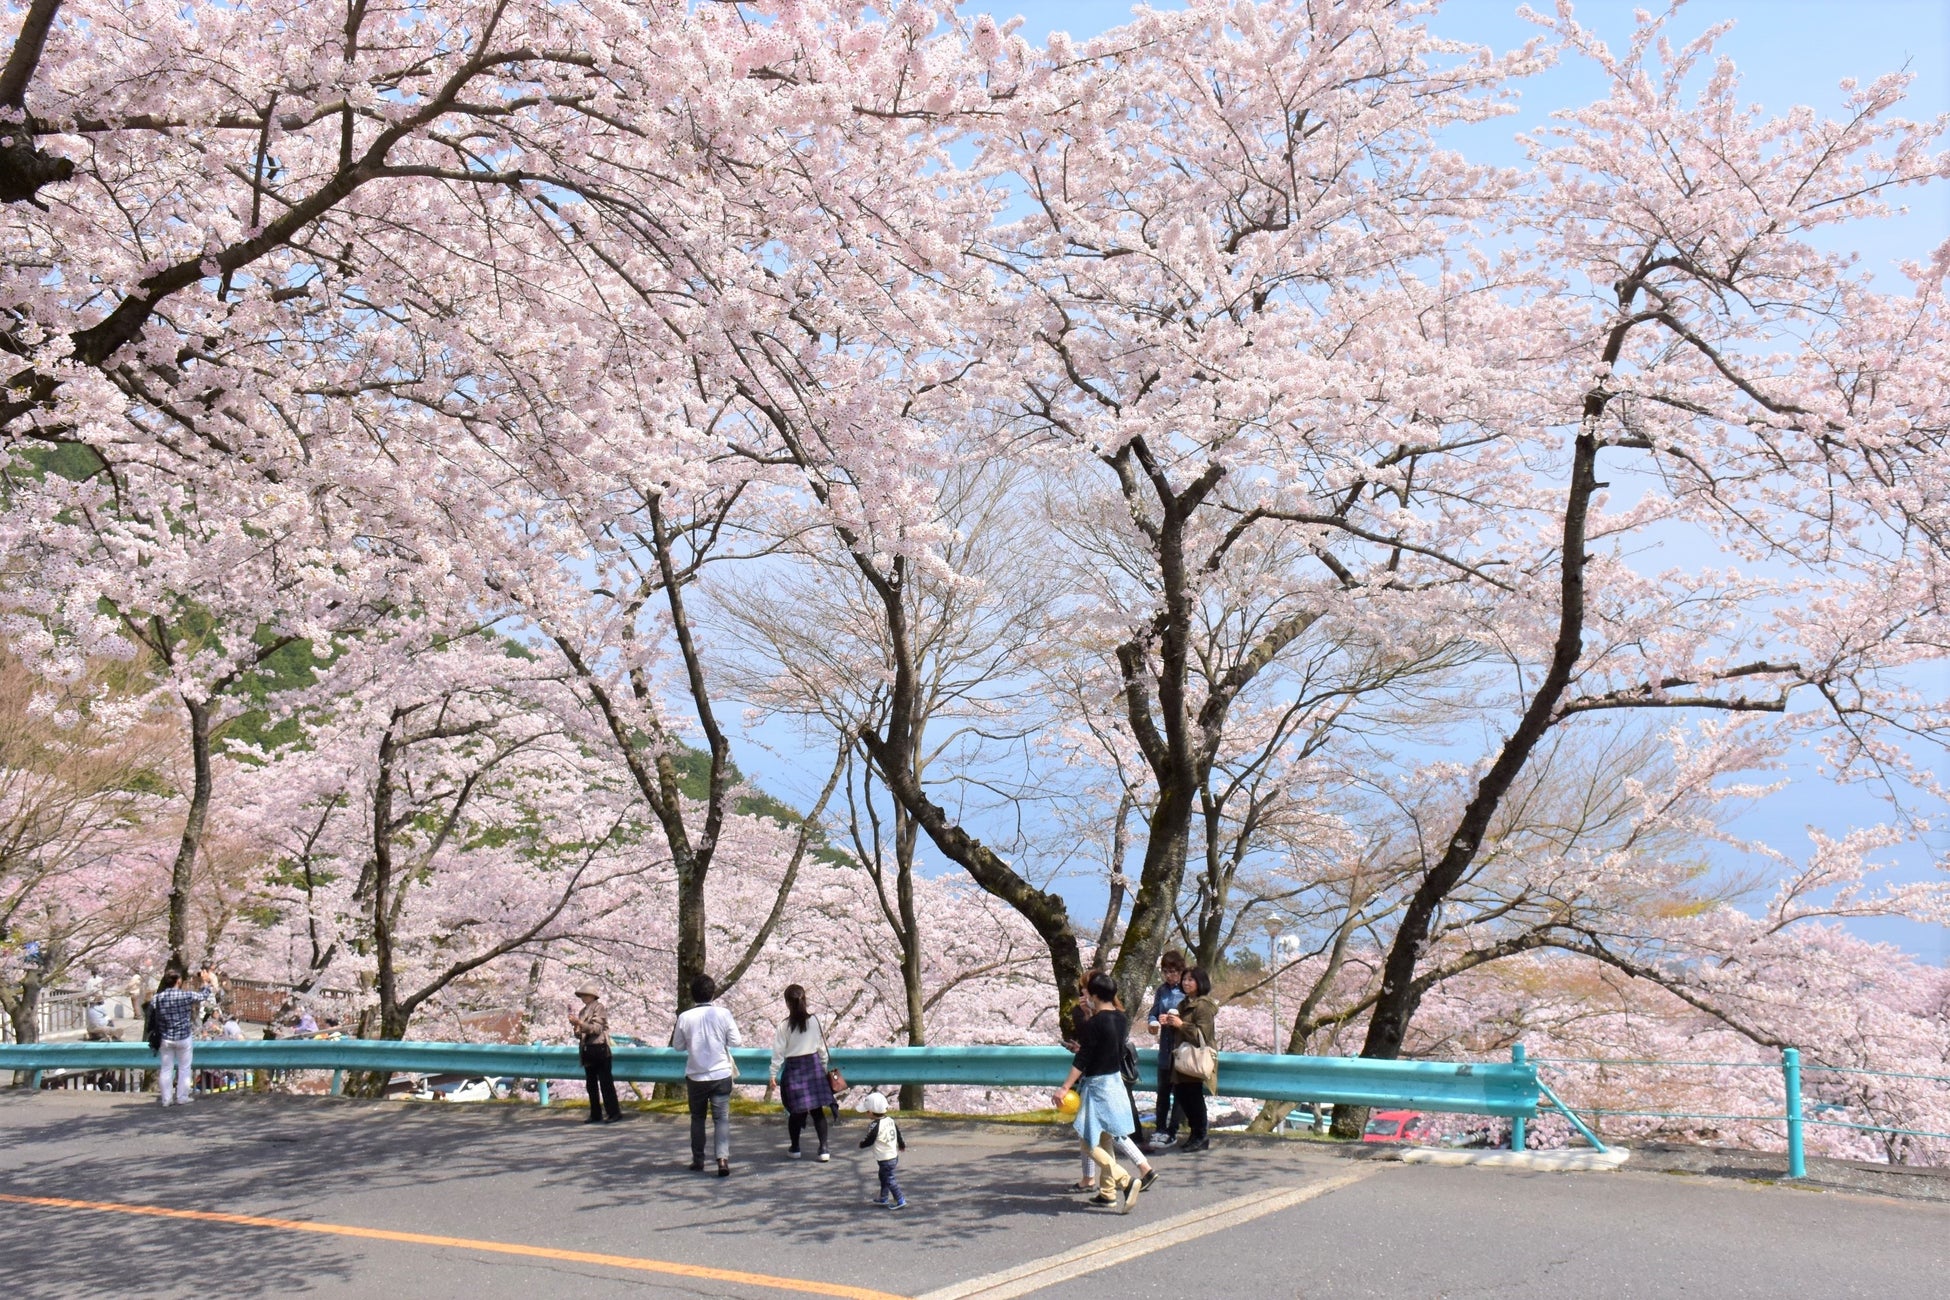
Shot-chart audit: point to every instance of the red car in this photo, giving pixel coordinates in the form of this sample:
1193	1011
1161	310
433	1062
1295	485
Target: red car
1396	1126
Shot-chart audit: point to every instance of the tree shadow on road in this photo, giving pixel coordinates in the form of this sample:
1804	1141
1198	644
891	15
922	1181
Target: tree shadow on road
483	1170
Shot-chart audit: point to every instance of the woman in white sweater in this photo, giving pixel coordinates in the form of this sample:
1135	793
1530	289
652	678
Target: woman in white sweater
799	1071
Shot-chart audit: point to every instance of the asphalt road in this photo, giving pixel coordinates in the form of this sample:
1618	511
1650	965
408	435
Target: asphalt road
521	1198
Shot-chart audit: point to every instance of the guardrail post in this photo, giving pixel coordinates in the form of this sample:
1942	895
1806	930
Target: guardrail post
34	1081
1516	1121
1791	1077
541	1091
338	1083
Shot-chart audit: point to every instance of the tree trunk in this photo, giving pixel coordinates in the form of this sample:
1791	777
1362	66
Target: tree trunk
1400	995
1161	876
1168	742
692	953
1120	847
24	1011
896	753
24	167
1046	912
906	834
1213	891
181	872
392	1025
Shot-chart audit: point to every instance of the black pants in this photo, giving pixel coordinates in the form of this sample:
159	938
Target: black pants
1167	1083
795	1124
1191	1104
1137	1121
602	1087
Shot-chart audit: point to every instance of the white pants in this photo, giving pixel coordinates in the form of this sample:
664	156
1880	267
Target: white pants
175	1068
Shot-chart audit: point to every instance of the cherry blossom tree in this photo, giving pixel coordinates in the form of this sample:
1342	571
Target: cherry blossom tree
82	773
815	647
1765	401
1195	183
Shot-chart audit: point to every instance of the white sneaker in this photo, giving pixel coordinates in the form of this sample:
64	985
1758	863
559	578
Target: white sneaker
825	1157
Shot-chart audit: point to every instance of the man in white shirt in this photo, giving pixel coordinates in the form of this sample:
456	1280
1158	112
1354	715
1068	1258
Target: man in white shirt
100	1027
706	1034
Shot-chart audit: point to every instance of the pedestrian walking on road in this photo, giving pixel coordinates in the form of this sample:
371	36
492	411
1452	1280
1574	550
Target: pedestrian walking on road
1127	1074
884	1136
800	1072
591	1026
1167	998
1072	1040
706	1034
1195	1022
1104	1120
175	1008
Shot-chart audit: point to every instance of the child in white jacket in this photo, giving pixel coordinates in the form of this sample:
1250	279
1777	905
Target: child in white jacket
884	1136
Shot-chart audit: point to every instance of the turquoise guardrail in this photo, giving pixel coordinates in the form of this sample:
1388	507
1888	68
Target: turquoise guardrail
1793	1118
1478	1088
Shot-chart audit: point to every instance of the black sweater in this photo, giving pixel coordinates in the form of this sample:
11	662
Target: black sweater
1100	1045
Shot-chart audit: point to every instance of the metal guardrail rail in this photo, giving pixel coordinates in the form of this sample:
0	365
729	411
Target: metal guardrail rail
1478	1088
1793	1119
1512	1091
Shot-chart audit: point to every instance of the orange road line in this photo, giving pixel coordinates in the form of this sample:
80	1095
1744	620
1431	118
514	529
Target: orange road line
835	1289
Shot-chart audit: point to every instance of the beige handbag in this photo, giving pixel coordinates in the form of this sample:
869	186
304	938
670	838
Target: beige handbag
1195	1062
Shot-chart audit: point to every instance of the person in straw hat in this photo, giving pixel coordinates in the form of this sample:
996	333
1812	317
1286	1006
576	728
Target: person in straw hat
591	1026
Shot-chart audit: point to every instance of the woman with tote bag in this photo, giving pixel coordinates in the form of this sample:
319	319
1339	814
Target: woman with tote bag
1195	1058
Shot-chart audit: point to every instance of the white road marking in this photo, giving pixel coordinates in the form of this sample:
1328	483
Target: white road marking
1561	1160
1108	1252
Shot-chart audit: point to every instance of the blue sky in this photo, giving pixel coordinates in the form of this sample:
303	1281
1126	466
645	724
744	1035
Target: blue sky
1789	52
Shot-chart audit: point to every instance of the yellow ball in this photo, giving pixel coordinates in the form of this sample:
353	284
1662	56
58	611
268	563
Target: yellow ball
1069	1105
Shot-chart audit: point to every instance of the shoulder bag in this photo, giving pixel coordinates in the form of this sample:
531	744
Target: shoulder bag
1197	1062
1194	1062
835	1081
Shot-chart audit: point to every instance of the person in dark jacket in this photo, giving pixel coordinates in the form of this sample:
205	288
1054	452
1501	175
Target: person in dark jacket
1196	1024
1166	999
591	1026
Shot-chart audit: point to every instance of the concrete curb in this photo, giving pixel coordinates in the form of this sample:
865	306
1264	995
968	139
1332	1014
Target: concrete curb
1553	1161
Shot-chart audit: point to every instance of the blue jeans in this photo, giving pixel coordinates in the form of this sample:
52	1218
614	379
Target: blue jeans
890	1183
715	1094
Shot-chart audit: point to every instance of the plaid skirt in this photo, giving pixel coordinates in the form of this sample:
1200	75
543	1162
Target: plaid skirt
803	1086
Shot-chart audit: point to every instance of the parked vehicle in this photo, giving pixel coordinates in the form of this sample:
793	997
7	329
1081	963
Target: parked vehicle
448	1087
1396	1126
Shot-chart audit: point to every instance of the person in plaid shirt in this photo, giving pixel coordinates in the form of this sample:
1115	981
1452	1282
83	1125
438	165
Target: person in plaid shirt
175	1012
